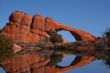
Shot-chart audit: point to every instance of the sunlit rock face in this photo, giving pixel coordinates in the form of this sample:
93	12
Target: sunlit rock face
22	27
25	28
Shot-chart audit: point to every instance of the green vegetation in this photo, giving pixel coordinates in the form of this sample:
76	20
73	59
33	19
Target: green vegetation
5	47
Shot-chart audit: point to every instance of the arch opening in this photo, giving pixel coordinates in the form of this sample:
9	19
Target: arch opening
67	36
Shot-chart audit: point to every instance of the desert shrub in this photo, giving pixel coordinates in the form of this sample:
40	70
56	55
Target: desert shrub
55	37
99	43
5	47
104	41
107	63
102	47
45	44
81	43
107	32
63	47
107	37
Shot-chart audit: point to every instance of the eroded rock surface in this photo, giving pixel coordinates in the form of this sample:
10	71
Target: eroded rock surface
25	28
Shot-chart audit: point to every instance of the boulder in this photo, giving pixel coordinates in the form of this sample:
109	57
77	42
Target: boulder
38	22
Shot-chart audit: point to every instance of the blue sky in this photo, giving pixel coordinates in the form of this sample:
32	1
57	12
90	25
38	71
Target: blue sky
89	15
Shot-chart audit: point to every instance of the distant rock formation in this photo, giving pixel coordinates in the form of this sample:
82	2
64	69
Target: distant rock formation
22	27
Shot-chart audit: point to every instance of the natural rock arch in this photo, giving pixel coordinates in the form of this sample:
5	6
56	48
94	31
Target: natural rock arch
78	34
22	27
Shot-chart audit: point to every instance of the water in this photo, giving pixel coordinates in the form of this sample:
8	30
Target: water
2	70
66	60
96	66
59	61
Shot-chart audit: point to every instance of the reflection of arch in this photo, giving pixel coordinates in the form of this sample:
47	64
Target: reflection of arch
33	64
78	62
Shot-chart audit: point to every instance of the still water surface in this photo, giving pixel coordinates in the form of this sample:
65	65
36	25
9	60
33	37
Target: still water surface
47	61
1	70
96	66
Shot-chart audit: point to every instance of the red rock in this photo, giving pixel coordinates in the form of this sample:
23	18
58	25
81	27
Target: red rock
25	28
16	17
79	35
16	48
38	22
26	20
31	37
23	31
41	33
22	27
10	30
50	25
19	27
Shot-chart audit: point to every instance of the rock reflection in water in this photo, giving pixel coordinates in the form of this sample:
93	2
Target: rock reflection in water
34	63
46	60
2	70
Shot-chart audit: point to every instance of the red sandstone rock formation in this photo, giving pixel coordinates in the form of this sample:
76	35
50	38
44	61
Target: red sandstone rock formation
22	27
